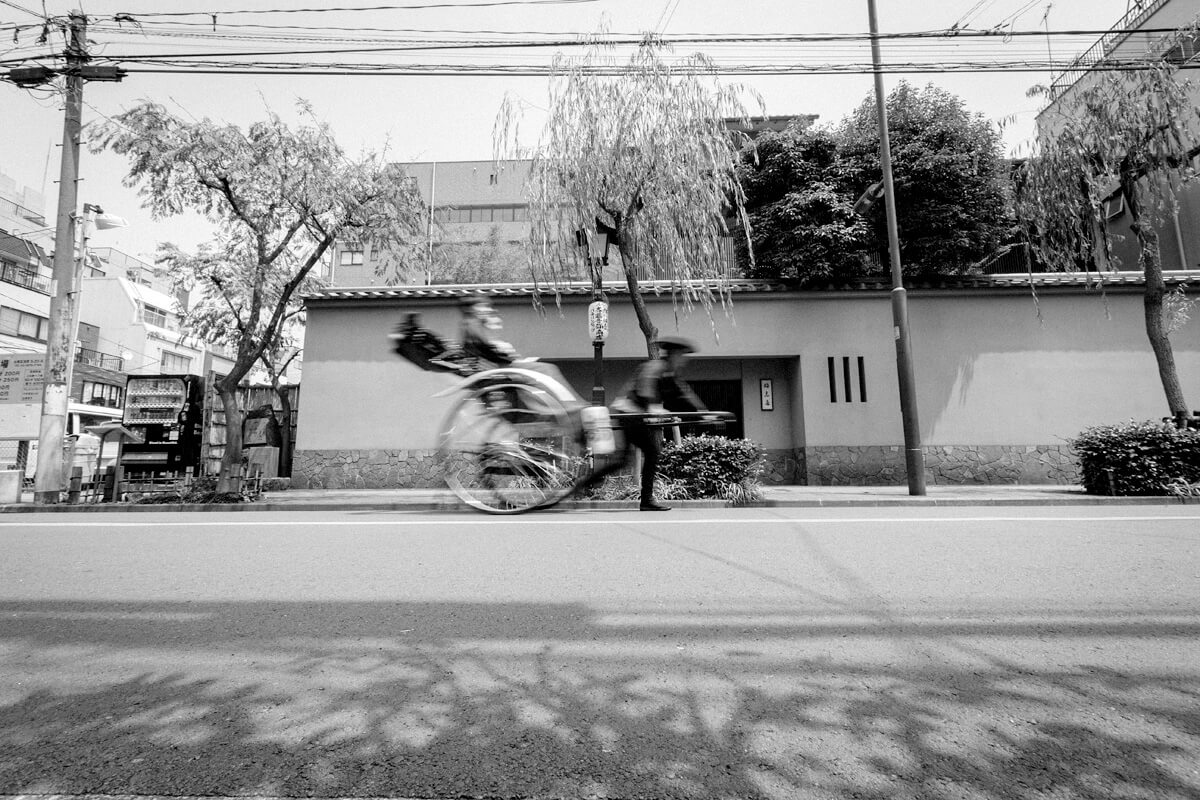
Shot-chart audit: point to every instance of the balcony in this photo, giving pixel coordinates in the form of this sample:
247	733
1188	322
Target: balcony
21	275
95	358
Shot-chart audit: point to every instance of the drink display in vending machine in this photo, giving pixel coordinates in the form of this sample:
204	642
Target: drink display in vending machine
167	412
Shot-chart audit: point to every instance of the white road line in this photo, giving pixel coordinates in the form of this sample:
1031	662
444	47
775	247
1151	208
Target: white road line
574	522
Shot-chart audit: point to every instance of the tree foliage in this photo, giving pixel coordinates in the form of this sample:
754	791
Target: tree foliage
647	154
1126	135
951	192
800	206
278	198
951	183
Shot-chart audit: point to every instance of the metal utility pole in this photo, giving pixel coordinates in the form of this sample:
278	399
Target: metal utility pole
914	456
49	481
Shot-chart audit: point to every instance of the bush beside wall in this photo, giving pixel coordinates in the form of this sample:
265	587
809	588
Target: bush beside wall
1137	458
713	466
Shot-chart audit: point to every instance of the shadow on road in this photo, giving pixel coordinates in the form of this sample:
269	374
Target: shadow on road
519	700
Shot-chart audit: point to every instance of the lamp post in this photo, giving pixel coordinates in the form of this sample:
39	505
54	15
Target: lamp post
914	457
594	246
93	217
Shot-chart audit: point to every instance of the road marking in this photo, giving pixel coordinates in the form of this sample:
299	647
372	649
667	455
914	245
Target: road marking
574	521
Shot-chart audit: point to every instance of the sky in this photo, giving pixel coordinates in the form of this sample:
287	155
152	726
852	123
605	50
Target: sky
422	117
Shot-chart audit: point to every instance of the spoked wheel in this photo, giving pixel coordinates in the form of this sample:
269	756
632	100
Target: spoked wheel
507	448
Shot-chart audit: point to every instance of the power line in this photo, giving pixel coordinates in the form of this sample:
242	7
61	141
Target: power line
412	7
901	39
499	70
13	5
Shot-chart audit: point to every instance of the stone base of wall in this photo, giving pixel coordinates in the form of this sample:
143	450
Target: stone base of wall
783	468
944	465
815	466
413	469
365	469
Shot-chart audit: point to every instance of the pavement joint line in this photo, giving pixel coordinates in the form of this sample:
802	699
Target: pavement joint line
199	797
450	505
526	521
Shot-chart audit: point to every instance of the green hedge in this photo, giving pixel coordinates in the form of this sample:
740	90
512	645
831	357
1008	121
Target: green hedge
713	466
1143	458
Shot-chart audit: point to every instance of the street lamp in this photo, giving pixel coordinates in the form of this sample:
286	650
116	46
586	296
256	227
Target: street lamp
60	343
93	217
594	247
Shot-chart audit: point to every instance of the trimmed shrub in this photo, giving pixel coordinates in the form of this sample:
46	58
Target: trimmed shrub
1137	458
708	466
628	487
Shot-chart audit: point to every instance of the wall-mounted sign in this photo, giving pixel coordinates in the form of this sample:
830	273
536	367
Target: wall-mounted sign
21	377
766	394
21	387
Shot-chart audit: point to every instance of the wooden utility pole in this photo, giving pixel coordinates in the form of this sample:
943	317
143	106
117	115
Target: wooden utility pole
49	482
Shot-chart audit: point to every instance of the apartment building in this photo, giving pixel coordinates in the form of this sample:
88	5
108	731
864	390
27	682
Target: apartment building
1139	34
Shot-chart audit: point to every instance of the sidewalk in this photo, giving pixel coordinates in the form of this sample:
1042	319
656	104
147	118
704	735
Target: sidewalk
774	496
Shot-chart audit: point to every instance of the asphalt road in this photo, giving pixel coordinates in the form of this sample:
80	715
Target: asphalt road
765	653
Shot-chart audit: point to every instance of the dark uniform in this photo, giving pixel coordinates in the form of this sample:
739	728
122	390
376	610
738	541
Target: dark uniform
654	385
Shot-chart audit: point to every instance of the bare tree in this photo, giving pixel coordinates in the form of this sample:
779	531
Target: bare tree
642	150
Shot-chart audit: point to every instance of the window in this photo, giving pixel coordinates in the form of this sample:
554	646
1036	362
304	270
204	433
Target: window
351	258
102	394
849	372
482	214
25	325
153	315
175	364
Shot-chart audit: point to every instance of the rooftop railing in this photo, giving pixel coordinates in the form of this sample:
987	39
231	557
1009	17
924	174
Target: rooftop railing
1100	51
95	358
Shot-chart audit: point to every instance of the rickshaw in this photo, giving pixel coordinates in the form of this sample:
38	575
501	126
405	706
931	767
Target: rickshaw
514	439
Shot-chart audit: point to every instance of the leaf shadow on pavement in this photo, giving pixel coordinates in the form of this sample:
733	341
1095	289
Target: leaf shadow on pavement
507	700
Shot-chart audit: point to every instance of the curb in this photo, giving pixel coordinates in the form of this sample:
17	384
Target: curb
454	505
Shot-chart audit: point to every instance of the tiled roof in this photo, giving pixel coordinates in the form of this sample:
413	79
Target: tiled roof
1079	280
23	250
524	290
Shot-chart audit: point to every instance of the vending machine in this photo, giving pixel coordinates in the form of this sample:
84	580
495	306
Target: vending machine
167	412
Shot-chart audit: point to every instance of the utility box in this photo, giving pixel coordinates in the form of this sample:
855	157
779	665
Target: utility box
10	486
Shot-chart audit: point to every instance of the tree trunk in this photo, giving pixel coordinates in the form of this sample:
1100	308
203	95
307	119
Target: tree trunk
635	297
1154	306
285	431
230	480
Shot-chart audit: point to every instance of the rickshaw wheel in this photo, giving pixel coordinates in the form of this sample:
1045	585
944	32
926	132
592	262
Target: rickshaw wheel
511	447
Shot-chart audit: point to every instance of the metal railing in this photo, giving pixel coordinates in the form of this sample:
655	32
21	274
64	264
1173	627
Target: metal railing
21	275
1099	52
95	358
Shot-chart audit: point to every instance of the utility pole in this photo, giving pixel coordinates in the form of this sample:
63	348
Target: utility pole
914	456
49	480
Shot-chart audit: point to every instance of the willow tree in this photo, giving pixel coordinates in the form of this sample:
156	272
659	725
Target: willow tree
641	149
278	198
1122	135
